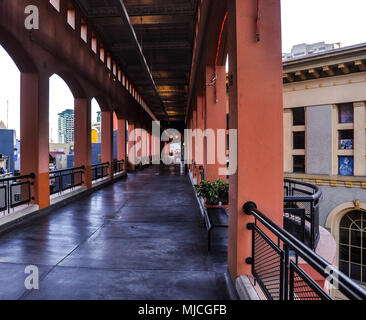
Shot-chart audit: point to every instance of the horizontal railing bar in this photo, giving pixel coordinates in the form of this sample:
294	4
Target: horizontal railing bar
100	164
29	176
70	169
314	260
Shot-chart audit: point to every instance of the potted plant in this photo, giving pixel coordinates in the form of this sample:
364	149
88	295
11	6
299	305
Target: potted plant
215	194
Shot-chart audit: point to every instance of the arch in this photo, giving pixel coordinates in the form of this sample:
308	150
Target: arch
74	85
335	217
20	56
103	103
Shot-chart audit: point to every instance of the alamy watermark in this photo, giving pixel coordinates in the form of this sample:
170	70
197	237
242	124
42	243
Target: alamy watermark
199	146
32	19
31	282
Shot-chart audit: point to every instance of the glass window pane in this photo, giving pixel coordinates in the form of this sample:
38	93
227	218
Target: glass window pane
345	112
346	166
344	267
356	255
356	238
299	164
355	272
344	253
344	236
299	140
346	139
298	116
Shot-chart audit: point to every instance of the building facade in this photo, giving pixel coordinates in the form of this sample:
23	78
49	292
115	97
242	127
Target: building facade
303	49
325	143
66	126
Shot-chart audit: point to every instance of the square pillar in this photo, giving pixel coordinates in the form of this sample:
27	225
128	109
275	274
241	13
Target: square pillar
121	136
143	146
215	157
107	140
131	143
360	138
34	134
256	111
194	160
138	143
287	140
83	144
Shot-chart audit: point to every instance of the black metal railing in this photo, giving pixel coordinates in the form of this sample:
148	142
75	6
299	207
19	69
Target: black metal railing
301	211
276	262
15	191
67	179
118	166
100	171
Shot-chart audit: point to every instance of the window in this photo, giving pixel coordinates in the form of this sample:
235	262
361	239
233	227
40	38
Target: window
352	245
345	139
299	164
71	17
299	140
298	116
84	32
102	54
345	166
56	4
345	112
109	62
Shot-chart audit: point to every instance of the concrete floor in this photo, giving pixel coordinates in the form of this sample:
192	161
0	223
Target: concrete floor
141	238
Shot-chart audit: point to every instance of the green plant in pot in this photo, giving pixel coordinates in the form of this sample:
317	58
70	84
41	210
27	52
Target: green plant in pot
215	193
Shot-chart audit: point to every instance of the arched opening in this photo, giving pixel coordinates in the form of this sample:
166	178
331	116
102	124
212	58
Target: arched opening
96	132
9	116
352	245
115	137
61	120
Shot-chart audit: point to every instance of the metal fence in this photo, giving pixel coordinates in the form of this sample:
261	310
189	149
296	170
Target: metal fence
301	211
15	191
118	166
100	171
67	179
277	257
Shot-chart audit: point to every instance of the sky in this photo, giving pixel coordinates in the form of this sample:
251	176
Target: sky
303	21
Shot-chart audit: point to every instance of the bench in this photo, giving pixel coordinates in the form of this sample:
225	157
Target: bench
215	218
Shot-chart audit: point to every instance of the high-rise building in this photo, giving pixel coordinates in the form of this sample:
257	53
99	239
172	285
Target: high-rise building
66	126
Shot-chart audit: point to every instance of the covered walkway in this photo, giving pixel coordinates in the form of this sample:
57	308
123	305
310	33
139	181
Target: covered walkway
141	238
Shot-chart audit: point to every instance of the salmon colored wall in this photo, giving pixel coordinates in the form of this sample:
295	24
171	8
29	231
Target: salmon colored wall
256	111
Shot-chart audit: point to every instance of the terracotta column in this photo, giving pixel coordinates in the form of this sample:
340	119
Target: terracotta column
201	125
34	134
256	112
194	141
143	146
83	145
139	143
122	155
216	121
107	140
131	143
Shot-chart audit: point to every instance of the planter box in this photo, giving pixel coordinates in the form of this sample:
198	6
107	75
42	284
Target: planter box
226	206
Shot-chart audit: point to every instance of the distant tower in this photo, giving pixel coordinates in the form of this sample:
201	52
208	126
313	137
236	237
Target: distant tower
66	126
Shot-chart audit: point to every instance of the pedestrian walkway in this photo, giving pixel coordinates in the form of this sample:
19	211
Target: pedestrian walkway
140	238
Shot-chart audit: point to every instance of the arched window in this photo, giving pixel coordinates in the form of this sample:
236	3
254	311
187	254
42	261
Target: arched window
352	245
